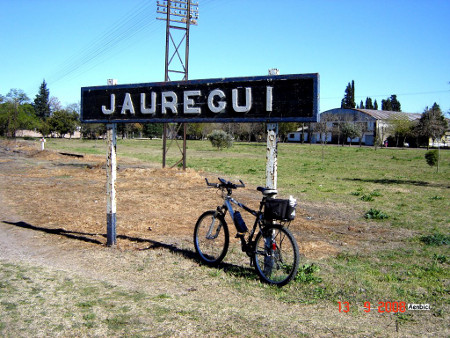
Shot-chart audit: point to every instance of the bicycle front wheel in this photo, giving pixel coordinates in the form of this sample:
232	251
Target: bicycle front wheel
276	255
211	238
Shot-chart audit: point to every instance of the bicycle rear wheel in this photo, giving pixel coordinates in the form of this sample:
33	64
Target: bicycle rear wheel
211	238
276	255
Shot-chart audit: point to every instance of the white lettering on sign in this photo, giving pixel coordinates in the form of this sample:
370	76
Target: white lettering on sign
127	105
220	105
113	106
188	102
269	98
248	101
172	105
216	102
152	109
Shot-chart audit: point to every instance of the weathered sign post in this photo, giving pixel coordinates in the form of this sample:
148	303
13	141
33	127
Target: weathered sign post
269	99
271	156
111	167
111	174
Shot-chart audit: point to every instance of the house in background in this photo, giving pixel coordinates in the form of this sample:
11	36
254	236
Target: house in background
372	123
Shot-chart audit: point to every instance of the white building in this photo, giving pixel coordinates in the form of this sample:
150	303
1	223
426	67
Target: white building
371	122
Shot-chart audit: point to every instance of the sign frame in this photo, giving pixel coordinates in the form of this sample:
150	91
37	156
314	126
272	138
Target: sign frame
269	99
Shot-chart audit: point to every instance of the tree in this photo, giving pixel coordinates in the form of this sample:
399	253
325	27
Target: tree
375	105
93	130
401	127
63	122
152	130
43	127
369	104
42	102
386	105
285	128
14	117
432	123
349	131
17	96
391	104
323	127
362	128
349	98
54	104
16	113
361	105
432	158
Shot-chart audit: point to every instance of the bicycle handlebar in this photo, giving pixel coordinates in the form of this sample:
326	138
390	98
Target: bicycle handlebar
225	184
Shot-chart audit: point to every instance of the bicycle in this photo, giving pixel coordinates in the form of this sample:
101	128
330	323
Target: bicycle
273	251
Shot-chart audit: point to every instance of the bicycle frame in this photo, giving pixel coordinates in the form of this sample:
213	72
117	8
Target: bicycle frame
228	206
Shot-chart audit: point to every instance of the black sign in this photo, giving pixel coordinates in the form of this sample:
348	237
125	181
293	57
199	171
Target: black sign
278	98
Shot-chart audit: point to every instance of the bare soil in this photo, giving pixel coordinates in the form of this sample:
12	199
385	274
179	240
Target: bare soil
53	214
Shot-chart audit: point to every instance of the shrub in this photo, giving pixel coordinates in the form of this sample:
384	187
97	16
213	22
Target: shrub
436	198
367	198
305	274
220	139
436	239
375	214
432	157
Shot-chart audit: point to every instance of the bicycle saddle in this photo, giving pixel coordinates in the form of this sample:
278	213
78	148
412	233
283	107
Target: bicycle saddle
267	191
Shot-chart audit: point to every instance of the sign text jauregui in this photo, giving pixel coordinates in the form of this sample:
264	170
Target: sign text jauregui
280	98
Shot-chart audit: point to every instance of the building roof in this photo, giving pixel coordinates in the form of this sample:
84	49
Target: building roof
376	114
384	114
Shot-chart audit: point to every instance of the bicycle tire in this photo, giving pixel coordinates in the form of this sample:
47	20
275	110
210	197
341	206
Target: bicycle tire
211	250
276	256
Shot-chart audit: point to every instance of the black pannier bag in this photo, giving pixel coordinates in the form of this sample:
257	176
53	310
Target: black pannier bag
279	209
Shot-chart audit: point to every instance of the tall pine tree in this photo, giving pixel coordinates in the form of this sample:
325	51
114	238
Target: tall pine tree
41	102
386	105
349	98
396	106
391	104
369	104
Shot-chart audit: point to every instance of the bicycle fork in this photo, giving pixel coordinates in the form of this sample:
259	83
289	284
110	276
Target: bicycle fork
209	234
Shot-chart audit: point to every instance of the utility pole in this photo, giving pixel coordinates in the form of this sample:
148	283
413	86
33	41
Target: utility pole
179	16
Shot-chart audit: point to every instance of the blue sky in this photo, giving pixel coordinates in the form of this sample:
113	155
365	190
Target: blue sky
388	47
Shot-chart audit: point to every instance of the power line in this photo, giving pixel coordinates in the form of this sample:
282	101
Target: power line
128	26
388	95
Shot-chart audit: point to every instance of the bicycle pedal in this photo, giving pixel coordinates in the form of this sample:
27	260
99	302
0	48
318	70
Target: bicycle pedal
240	235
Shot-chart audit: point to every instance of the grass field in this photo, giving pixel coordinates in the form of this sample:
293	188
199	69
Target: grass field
394	188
